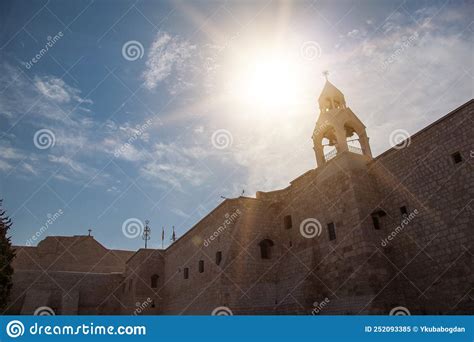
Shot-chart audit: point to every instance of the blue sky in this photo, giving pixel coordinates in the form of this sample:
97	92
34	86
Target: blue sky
163	134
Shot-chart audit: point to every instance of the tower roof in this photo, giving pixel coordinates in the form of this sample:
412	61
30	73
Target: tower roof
331	91
331	98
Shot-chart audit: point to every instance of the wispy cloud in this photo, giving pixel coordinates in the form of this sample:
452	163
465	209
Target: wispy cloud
169	57
45	97
11	157
176	165
433	64
5	166
57	90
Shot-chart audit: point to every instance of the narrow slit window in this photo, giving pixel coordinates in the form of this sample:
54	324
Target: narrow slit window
186	273
332	231
218	257
154	281
457	157
201	266
287	222
376	221
266	249
404	211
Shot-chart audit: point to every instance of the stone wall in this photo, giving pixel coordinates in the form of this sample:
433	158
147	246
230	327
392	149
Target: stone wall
433	254
422	262
72	275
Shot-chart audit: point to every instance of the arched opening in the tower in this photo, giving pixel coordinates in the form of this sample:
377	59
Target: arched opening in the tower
352	139
327	104
329	143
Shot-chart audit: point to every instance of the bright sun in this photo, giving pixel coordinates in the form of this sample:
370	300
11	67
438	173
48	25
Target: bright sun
270	83
266	82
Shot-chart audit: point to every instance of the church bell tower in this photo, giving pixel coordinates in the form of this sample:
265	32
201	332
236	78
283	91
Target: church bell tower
338	130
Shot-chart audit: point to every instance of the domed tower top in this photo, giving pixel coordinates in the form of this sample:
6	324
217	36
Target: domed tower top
338	130
331	97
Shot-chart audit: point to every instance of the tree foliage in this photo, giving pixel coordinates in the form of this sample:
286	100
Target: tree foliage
6	257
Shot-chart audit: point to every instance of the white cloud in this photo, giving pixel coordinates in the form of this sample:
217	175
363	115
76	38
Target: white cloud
73	165
432	65
57	90
179	212
29	168
354	33
427	77
10	156
11	153
169	57
176	165
5	166
46	97
407	77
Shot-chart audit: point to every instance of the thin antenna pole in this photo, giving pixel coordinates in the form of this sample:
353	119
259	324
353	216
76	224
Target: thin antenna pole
146	233
162	236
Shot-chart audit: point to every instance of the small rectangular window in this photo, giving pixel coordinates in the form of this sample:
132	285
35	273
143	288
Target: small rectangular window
457	157
404	211
218	257
186	273
201	266
332	231
287	222
376	221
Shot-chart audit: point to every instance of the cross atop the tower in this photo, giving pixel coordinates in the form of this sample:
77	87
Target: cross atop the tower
326	74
